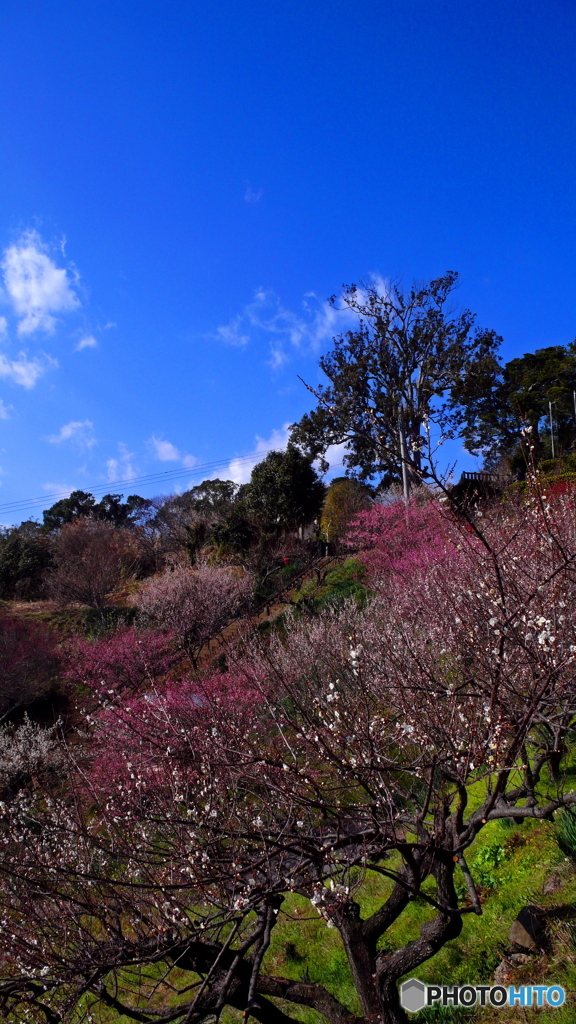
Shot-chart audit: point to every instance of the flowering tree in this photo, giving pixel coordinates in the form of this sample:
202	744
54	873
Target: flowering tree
399	539
193	603
153	882
29	664
125	662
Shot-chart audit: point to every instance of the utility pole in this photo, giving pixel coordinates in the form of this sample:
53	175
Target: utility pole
404	459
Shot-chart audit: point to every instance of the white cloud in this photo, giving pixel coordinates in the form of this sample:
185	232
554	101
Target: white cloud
121	469
231	333
109	325
77	431
285	330
89	341
25	371
240	469
58	491
165	451
5	411
36	287
253	195
3	327
334	455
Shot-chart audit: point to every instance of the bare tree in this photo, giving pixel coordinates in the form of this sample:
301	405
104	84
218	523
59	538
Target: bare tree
92	559
153	882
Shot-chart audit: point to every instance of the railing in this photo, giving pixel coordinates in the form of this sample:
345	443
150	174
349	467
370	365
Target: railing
484	477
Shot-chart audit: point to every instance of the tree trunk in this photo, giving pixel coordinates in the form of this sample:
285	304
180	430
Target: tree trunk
404	459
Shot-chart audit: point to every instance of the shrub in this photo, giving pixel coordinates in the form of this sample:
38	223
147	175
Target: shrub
566	833
29	664
92	558
398	539
28	750
25	558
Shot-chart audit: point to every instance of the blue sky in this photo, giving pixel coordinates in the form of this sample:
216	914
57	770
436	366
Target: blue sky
182	186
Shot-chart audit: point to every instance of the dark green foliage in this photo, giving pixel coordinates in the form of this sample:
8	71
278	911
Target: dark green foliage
284	492
518	398
401	366
25	558
234	531
566	833
212	496
110	509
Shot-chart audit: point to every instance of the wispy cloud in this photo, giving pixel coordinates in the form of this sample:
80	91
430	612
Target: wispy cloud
36	287
253	195
58	490
25	371
88	341
232	333
165	451
240	469
286	331
122	468
79	432
3	327
5	411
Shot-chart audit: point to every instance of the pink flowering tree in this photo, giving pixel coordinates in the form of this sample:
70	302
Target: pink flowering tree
340	752
400	538
193	603
125	662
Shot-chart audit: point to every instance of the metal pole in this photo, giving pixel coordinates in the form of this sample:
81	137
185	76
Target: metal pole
551	429
404	460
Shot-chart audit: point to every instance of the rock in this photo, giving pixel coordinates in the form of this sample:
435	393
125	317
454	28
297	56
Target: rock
551	883
519	959
504	973
529	929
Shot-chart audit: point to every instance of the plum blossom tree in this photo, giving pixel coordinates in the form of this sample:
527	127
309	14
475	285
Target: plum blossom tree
398	539
193	603
343	750
127	661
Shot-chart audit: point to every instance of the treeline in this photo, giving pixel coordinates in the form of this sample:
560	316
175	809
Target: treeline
86	549
412	374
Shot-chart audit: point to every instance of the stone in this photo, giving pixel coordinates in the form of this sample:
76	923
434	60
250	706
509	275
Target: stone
529	929
552	883
504	973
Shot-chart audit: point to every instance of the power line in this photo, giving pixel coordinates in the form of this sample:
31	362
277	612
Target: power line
26	504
